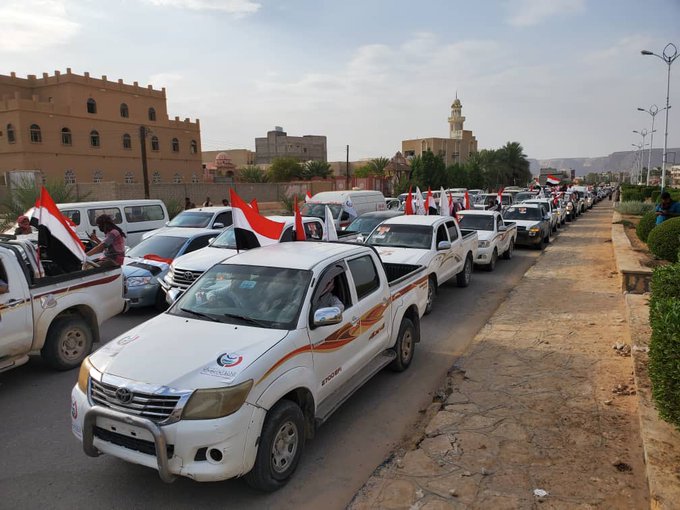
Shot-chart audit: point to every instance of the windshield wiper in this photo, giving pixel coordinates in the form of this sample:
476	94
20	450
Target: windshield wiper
202	315
248	320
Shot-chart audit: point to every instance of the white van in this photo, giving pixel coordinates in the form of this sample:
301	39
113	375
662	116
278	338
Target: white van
134	217
362	201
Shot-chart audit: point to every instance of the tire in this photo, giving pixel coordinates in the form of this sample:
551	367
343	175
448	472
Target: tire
494	258
509	252
275	463
547	239
463	278
405	346
431	294
69	341
540	246
554	229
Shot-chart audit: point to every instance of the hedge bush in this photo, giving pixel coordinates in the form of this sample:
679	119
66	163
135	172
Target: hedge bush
636	208
664	348
647	223
655	196
664	240
632	195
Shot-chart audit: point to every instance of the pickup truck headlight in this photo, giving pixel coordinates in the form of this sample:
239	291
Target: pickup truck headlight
84	375
136	281
483	244
217	402
534	230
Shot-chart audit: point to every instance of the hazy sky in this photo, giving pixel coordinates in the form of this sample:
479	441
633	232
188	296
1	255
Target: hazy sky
562	77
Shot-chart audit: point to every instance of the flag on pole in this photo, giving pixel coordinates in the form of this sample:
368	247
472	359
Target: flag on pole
299	227
429	201
444	203
552	180
329	232
420	206
251	229
62	239
253	204
308	196
452	207
408	207
500	197
467	204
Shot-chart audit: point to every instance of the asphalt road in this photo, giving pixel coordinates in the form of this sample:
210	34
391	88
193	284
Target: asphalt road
43	466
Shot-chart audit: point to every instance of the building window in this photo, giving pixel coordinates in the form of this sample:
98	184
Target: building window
124	111
98	176
66	138
156	179
129	178
155	146
36	134
10	134
127	141
94	138
69	177
175	145
194	178
91	106
152	114
194	147
177	179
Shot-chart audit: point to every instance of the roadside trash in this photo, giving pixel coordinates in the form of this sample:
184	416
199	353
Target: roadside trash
540	493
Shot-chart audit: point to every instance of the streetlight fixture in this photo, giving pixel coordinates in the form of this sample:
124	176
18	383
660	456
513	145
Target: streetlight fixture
653	110
637	168
643	133
670	53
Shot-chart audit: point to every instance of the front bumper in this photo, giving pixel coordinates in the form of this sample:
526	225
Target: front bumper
176	449
143	295
484	256
524	238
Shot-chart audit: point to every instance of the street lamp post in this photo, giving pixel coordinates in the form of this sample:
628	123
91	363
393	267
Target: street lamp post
653	110
670	53
636	170
643	134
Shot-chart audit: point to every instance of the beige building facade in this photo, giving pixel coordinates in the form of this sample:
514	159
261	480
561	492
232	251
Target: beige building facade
457	148
82	129
278	144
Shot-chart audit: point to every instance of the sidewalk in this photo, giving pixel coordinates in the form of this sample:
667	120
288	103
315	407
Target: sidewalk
540	401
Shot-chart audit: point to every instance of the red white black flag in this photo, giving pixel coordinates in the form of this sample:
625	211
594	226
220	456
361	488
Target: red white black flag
552	180
251	229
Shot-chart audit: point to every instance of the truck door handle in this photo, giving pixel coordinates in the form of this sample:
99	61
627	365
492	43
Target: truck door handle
355	321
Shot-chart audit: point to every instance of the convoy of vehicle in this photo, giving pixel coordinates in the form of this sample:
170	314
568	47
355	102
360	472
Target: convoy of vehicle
257	348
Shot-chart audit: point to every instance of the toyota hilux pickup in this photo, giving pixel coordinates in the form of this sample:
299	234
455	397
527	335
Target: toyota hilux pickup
56	315
436	242
533	224
496	237
235	376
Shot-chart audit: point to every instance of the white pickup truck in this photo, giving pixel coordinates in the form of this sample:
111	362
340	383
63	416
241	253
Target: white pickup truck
59	315
187	268
496	237
235	376
435	242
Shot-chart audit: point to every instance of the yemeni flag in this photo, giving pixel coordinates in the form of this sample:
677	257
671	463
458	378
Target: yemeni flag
551	180
308	196
466	204
500	196
429	201
55	236
408	207
251	229
253	204
299	227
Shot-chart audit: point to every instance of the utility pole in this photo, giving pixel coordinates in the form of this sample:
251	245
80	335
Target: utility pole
347	170
145	168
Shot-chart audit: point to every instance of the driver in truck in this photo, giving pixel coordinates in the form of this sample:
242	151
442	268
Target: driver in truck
328	297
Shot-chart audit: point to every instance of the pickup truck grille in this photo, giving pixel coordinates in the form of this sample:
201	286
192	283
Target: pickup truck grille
182	278
521	229
154	407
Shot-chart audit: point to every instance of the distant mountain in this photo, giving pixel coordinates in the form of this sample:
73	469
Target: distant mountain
616	162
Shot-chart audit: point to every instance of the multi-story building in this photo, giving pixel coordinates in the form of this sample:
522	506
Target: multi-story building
278	144
85	129
454	149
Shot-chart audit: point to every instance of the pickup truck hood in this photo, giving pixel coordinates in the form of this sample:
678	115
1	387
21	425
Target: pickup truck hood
402	255
203	259
485	235
527	223
184	353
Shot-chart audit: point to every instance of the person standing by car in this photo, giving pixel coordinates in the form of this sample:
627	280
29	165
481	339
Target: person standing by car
207	202
667	208
113	244
24	226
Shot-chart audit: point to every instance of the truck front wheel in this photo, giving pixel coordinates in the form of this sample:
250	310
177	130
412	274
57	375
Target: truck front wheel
463	278
68	342
406	344
431	294
281	444
494	258
511	248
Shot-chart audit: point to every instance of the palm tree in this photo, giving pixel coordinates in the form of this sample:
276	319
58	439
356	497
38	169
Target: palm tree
515	164
252	174
316	169
377	166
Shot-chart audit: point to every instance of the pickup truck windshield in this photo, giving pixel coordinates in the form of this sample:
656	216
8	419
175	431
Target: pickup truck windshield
191	219
319	210
365	225
163	246
266	297
402	236
227	239
525	195
476	222
522	213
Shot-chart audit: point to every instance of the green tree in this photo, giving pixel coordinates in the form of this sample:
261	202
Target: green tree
513	165
362	171
429	170
253	174
315	169
284	169
377	166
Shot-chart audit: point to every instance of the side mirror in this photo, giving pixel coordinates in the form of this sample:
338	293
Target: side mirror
218	225
166	223
173	295
502	228
210	241
327	316
443	245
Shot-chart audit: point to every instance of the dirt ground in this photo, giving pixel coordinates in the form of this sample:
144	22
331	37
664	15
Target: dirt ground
646	258
541	412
